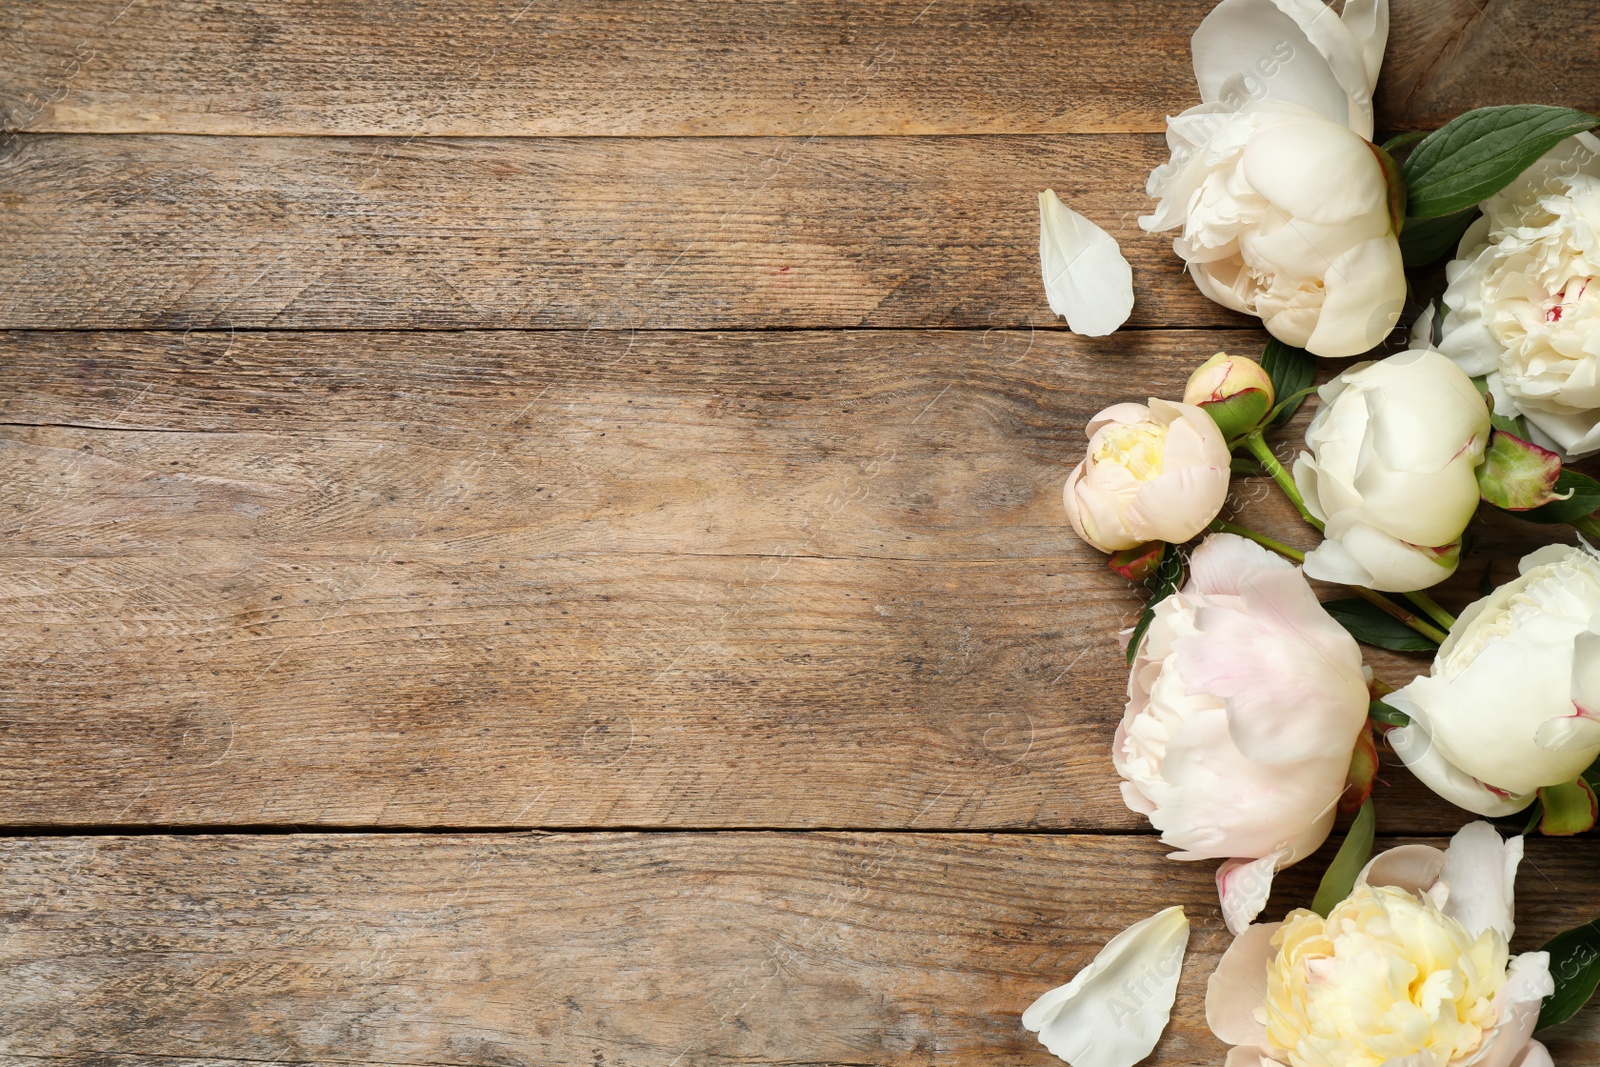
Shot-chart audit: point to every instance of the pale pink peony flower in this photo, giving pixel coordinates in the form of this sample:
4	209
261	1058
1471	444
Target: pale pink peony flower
1244	705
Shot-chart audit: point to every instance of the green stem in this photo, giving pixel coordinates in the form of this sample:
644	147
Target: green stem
1258	448
1219	526
1434	611
1431	632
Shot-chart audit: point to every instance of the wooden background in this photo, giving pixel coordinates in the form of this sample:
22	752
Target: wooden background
532	529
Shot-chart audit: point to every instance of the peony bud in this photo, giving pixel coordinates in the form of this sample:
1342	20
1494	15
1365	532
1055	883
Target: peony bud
1233	390
1139	562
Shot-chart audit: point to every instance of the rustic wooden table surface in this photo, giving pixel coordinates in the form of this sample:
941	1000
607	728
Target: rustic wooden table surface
532	528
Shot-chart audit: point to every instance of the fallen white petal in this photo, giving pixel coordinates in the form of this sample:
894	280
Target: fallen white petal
1114	1011
1086	278
1480	868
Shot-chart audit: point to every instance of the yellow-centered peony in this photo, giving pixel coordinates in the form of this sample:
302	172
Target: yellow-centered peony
1385	976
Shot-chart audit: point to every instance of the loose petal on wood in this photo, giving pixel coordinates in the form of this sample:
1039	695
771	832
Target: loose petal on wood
569	579
132	232
724	68
883	949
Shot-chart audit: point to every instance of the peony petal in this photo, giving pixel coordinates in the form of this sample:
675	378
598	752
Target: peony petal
1480	870
1086	278
1534	1054
1586	672
1248	50
1366	290
1223	561
1418	752
1528	982
1315	172
1243	887
1177	505
1289	675
1354	553
1414	868
1368	22
1113	1011
1344	53
1249	1056
1568	733
1238	987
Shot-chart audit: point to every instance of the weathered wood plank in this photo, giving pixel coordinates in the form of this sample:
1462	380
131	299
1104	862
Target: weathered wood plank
581	69
649	950
825	67
1449	56
120	232
647	579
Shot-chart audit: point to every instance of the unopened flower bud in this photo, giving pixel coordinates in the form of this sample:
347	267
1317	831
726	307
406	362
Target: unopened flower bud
1234	390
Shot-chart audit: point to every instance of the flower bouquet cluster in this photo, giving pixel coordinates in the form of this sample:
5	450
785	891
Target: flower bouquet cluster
1252	722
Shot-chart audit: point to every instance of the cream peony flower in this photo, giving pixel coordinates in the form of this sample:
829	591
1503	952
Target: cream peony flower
1244	705
1156	473
1411	969
1524	298
1513	701
1395	447
1281	199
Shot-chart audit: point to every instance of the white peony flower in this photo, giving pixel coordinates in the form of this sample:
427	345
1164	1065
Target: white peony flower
1411	969
1244	705
1156	473
1395	447
1113	1012
1281	198
1513	702
1524	298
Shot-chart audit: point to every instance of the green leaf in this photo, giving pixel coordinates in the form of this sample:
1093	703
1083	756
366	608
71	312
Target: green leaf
1369	623
1166	580
1347	863
1425	241
1477	154
1386	714
1575	966
1291	370
1583	502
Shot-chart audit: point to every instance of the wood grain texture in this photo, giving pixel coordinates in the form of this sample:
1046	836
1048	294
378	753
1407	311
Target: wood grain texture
572	579
570	68
1449	56
646	950
726	68
135	232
